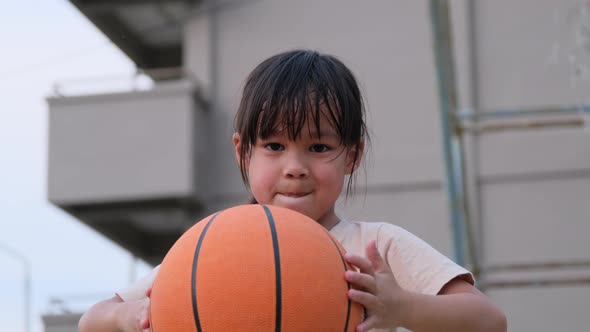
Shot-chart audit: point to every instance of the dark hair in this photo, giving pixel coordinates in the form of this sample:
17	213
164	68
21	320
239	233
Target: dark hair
287	89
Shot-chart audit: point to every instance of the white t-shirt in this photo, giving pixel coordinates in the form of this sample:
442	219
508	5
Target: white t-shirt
416	265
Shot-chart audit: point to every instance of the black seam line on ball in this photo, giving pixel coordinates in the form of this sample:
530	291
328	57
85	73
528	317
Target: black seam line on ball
194	274
275	245
347	283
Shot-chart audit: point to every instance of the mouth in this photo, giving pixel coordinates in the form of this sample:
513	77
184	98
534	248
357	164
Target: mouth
294	194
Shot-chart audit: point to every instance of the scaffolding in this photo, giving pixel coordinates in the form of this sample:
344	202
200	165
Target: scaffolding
455	125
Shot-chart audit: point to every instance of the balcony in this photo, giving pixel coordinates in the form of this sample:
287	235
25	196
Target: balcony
125	163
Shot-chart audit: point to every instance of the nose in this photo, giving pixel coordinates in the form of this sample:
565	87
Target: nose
295	166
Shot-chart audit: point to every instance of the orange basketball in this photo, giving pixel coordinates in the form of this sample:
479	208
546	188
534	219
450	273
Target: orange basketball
254	268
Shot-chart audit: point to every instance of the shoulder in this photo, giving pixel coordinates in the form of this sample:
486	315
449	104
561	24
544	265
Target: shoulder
392	241
378	230
368	225
356	235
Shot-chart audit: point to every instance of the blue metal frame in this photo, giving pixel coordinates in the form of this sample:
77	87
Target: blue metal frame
502	114
451	141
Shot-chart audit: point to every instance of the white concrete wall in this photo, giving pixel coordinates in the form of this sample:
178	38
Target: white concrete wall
533	185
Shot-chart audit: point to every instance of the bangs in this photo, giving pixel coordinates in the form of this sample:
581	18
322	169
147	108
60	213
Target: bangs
284	94
290	115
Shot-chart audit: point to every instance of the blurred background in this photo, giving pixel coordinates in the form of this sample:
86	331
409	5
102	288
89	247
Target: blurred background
116	122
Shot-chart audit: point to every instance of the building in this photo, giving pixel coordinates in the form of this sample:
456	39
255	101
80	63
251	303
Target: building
141	166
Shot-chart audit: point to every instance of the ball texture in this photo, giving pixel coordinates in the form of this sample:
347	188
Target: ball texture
254	268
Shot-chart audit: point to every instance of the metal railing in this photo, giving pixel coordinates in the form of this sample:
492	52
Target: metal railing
456	123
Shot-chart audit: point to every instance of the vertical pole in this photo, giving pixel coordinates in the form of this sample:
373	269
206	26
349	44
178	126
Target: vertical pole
27	296
451	143
27	283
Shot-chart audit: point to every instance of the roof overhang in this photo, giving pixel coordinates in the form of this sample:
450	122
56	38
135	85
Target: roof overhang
149	32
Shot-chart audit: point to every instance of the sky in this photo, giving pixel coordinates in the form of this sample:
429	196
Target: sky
44	42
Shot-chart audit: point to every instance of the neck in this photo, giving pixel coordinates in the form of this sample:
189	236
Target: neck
329	219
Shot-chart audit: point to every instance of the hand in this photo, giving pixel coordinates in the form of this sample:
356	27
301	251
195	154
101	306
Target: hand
134	315
375	288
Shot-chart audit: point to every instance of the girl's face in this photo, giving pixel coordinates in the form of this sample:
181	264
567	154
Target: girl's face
306	175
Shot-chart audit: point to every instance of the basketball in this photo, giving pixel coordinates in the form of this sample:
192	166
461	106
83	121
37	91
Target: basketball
254	268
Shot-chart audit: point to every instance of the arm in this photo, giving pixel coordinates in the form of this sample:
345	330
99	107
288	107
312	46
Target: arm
116	315
457	307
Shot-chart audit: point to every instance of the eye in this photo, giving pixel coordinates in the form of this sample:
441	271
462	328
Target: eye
319	148
274	147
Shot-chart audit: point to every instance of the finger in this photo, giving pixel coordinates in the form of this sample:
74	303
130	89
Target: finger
377	262
362	263
144	324
362	281
367	325
145	314
148	329
367	300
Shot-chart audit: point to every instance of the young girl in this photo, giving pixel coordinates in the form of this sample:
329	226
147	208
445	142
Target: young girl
300	133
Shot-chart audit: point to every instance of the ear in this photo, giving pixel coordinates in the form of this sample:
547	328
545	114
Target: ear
351	165
237	143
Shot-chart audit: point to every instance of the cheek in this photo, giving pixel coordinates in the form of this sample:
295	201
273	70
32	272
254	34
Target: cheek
331	177
261	177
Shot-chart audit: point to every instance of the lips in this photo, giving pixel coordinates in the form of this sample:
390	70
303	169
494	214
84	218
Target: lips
295	194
